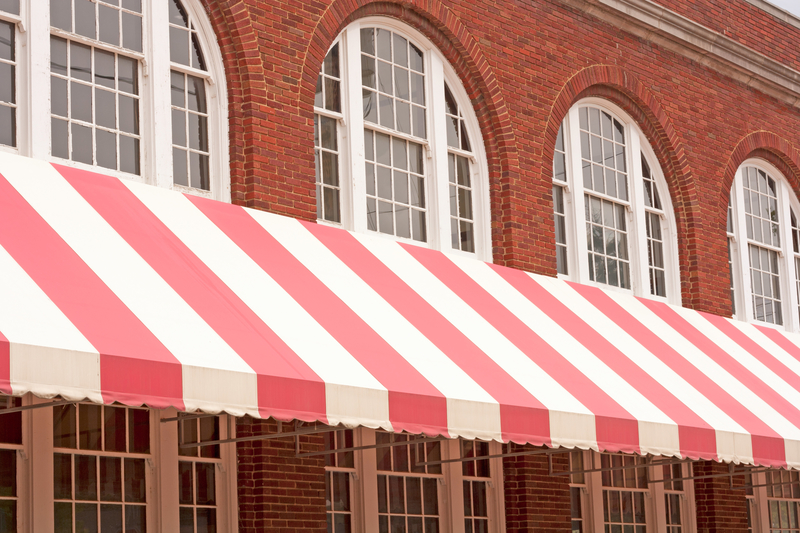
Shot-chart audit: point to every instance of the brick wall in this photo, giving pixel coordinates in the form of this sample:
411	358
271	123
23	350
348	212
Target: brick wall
720	509
535	501
278	492
744	23
524	63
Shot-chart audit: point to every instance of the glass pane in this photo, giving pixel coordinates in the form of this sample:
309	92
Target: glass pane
114	429
64	425
61	14
180	176
139	430
11	423
135	489
8	126
206	520
136	518
185	483
414	496
8	515
110	479
206	488
196	94
187	520
129	160
108	24
8	473
396	495
179	45
62	476
89	418
82	152
62	517
111	519
86	517
85	19
132	31
129	114
7	78
80	58
85	477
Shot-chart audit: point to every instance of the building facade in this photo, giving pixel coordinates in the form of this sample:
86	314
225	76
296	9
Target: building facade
647	147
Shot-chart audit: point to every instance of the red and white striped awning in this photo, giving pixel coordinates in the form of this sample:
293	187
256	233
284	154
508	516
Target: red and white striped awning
116	291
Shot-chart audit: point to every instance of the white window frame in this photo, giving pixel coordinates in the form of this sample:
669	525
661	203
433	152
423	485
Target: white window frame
33	94
592	498
21	72
740	252
35	472
635	143
364	487
351	143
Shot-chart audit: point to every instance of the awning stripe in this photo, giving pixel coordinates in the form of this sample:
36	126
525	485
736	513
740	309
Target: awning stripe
319	248
206	359
124	343
411	394
715	405
766	434
191	278
112	290
525	325
684	380
520	412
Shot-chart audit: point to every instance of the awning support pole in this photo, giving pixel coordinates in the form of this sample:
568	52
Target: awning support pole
310	431
378	446
35	406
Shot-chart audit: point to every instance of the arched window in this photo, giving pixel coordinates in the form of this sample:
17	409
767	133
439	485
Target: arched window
111	98
764	246
397	147
614	223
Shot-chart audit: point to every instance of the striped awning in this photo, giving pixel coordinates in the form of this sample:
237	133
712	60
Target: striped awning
111	290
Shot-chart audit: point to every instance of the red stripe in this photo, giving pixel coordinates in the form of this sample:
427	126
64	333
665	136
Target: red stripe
414	404
302	394
523	417
768	446
701	436
5	365
135	367
605	351
611	418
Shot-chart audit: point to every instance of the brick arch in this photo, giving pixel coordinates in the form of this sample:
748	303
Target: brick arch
444	29
765	145
625	90
244	72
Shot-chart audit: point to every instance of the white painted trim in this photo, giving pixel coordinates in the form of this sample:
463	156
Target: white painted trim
574	207
352	152
650	21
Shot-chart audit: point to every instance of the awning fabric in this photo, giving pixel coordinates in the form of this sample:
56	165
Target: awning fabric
111	290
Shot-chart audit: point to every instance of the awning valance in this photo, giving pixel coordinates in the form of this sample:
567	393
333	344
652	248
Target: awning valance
116	291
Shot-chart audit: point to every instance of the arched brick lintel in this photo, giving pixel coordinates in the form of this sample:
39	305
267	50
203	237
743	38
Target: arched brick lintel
444	29
765	145
244	72
623	89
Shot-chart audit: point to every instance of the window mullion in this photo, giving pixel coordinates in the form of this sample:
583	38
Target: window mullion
157	141
438	208
36	142
637	234
742	249
366	467
354	124
577	245
788	277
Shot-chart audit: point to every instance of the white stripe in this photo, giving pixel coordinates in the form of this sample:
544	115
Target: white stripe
658	433
471	412
761	370
49	356
214	377
502	351
748	398
353	393
553	334
733	441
